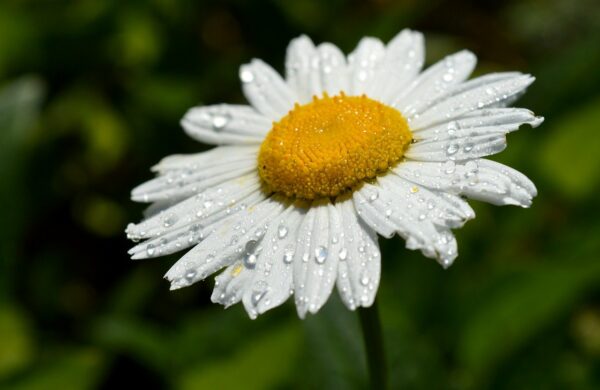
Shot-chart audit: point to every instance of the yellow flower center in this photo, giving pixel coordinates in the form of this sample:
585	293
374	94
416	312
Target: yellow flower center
331	145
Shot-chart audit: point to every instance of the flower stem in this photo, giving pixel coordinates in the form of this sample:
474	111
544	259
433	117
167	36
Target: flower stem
373	337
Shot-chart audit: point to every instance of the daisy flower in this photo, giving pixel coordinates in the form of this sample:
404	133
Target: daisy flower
303	178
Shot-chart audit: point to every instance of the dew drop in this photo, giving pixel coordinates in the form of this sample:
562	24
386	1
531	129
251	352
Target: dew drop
190	275
150	249
170	220
451	149
373	197
321	254
246	75
364	279
288	255
343	255
282	231
219	121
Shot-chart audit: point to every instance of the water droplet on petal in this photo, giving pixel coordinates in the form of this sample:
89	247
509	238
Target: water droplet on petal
150	249
343	255
321	254
282	231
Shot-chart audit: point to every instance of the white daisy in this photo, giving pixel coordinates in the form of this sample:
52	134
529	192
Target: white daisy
343	148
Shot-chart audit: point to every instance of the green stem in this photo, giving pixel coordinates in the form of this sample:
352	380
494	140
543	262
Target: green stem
373	337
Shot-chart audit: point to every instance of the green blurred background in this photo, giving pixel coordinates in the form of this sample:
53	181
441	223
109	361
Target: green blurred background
91	93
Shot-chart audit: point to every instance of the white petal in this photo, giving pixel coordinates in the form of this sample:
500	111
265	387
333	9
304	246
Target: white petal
331	70
235	238
478	93
178	181
315	264
457	148
478	179
410	213
481	122
359	266
231	284
226	124
498	184
404	57
298	68
363	64
190	162
193	219
266	90
436	80
275	283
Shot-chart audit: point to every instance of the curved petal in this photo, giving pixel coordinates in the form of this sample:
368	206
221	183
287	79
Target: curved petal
436	80
226	124
266	90
233	239
481	122
315	263
480	179
183	176
359	259
298	67
482	92
404	58
190	221
461	147
363	64
421	217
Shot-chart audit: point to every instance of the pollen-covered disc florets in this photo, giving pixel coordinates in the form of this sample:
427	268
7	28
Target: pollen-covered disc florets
330	145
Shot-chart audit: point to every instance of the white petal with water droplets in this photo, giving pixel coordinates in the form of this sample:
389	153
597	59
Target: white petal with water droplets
181	182
315	274
192	220
231	284
421	217
480	179
435	81
330	70
363	64
482	92
481	122
359	265
276	262
266	90
226	124
457	148
499	184
235	238
298	68
404	57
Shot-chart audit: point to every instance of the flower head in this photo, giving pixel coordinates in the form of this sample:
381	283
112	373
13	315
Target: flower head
319	163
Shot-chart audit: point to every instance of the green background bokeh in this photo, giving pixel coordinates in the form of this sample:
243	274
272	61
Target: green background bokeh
91	93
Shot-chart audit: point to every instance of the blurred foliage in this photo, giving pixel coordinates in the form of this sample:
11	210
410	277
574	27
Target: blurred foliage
91	93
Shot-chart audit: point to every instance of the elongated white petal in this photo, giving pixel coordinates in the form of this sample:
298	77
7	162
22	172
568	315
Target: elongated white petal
421	217
472	95
231	284
481	122
457	148
331	71
298	68
478	179
404	57
498	184
274	284
435	81
315	265
235	238
226	124
363	64
359	260
266	90
180	183
192	220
